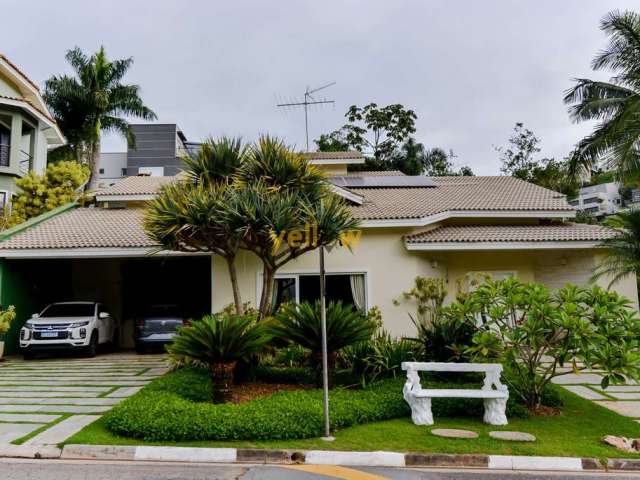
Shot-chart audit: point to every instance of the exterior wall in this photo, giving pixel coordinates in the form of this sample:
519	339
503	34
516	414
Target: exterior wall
112	163
334	170
155	147
8	88
381	255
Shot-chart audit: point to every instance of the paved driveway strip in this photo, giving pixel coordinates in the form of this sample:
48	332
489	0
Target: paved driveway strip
57	398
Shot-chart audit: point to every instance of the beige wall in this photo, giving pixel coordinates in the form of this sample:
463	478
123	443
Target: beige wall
8	88
390	270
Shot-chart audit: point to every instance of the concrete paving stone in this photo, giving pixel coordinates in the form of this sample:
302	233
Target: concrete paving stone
124	392
54	408
19	388
54	383
64	375
58	401
27	417
76	378
585	392
513	436
622	388
453	433
13	431
36	394
628	409
626	395
157	371
578	378
63	430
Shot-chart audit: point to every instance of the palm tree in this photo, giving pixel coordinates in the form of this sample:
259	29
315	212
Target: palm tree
301	325
622	254
93	101
615	104
217	342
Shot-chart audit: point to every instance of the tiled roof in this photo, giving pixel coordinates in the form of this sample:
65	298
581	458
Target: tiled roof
138	185
29	102
20	72
311	156
375	173
456	194
563	232
84	228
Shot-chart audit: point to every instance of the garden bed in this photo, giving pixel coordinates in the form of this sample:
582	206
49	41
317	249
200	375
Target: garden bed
371	419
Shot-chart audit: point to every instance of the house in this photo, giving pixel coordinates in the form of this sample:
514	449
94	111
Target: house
158	151
441	227
599	200
27	130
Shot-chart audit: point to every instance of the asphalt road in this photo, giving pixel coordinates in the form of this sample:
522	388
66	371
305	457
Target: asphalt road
17	469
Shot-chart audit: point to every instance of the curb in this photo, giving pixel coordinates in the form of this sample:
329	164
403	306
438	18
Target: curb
316	457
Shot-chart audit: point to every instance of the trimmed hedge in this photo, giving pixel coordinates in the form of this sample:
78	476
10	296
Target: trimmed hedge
176	408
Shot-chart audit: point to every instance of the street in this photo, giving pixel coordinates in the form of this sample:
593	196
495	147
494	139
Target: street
20	469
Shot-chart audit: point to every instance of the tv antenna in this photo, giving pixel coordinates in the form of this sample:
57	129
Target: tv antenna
309	100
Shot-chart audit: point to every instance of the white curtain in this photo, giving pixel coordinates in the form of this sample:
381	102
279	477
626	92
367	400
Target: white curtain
357	290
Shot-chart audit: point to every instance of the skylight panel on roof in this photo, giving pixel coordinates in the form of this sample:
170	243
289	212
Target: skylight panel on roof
391	181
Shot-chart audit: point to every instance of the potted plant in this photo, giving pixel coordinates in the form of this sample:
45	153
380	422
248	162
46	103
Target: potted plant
6	317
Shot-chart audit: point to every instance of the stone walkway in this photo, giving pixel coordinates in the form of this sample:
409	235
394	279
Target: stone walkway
622	399
44	402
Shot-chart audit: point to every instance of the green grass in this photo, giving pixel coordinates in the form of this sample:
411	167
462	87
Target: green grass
576	432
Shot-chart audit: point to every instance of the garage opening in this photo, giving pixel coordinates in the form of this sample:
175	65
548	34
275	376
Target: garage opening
128	286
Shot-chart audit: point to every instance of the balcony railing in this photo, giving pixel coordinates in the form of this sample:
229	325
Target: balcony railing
26	162
4	154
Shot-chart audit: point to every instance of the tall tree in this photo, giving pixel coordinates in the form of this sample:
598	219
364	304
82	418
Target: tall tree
615	141
93	101
621	251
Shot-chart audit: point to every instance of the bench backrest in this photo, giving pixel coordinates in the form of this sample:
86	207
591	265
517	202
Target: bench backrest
451	367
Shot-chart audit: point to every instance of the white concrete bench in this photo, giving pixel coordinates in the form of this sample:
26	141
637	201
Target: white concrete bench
494	393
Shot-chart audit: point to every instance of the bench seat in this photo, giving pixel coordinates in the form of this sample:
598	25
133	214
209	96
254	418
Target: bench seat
458	393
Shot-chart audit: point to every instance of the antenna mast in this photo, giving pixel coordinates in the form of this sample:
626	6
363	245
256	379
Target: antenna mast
309	100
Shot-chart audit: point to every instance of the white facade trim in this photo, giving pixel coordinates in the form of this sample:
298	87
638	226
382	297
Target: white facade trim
464	246
26	253
344	193
438	217
40	116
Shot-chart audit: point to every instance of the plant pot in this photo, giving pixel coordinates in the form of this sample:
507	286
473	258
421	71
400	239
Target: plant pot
222	380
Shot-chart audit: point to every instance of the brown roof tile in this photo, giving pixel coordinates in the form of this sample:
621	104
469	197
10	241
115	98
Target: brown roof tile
20	72
375	173
138	185
333	156
84	228
563	232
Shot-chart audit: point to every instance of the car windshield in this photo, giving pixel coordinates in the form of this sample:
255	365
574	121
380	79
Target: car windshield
69	310
162	311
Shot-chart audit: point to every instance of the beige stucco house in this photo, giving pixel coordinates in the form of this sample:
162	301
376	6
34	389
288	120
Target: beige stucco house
27	130
411	226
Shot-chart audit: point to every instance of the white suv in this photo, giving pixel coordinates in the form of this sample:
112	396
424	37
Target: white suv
80	326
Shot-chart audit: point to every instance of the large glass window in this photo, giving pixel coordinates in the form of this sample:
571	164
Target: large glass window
348	288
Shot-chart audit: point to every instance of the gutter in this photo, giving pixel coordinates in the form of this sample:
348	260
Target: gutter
32	222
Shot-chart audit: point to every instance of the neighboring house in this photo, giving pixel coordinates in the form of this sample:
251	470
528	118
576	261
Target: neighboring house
27	130
599	200
158	152
443	227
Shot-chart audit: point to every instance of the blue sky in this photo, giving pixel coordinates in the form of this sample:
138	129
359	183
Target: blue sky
470	69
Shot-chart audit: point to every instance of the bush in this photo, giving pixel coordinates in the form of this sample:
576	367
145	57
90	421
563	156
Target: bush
277	374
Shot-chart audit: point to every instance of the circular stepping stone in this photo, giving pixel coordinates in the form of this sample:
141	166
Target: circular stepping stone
453	433
513	436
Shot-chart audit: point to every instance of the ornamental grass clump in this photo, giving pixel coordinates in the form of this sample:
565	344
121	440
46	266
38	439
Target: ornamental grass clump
217	342
534	332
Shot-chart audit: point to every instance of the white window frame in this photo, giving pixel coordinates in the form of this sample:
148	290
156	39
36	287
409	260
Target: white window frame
8	196
301	273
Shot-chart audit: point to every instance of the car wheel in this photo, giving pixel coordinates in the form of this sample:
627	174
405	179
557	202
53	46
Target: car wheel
92	349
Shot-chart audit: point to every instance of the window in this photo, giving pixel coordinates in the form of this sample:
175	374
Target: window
345	287
4	199
5	146
591	200
101	171
124	172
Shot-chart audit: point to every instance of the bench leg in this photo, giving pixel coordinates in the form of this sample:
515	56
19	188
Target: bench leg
495	411
421	411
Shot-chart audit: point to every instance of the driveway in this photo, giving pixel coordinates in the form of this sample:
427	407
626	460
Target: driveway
47	401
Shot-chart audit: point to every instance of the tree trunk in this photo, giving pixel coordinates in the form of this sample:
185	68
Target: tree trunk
268	275
222	381
95	165
233	275
332	358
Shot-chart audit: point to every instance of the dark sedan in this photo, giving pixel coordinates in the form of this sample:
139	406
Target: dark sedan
156	327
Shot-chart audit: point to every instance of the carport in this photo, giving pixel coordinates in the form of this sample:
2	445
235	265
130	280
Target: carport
102	255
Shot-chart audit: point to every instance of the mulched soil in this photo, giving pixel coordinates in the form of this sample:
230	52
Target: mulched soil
252	390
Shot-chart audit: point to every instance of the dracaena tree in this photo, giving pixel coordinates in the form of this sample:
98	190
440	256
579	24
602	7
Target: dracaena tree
93	101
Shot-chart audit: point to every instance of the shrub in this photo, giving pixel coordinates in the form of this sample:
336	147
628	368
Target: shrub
277	374
301	325
217	342
533	332
6	317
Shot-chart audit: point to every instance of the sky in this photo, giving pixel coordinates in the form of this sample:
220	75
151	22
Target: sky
470	69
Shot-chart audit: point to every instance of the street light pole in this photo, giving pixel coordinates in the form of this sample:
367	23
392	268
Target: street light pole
325	362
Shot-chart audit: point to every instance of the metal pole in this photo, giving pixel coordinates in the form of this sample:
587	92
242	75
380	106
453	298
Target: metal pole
306	117
325	366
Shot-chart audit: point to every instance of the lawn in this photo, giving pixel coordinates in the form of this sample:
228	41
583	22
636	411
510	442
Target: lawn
576	432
